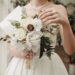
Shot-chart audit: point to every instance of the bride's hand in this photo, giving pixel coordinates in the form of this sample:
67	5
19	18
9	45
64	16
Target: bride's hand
29	54
53	15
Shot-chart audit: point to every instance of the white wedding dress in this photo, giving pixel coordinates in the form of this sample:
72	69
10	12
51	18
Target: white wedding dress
40	66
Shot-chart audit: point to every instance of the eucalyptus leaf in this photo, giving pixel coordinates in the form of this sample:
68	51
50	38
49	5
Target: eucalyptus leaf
16	24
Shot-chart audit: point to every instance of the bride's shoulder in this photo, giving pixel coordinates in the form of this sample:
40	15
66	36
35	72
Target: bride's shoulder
59	7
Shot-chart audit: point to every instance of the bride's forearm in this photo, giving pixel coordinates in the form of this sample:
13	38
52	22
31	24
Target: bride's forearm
69	39
17	54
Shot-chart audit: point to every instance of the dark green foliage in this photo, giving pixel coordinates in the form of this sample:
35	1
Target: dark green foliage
72	22
73	58
45	46
21	2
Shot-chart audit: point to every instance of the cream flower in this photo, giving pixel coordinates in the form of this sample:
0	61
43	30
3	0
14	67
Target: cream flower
33	40
20	34
36	23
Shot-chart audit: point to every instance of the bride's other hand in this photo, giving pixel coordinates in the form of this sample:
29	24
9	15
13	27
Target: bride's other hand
53	15
29	54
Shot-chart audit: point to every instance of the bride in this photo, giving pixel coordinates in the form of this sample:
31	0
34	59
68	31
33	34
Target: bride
41	21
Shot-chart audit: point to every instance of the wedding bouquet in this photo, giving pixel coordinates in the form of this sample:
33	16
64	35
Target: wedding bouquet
29	34
35	36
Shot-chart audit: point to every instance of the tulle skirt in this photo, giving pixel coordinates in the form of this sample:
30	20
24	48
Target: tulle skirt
42	66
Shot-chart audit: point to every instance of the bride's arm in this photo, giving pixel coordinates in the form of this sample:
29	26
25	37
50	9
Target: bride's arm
67	36
58	15
16	53
68	39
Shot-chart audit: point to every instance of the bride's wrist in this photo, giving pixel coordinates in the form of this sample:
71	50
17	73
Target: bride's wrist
23	55
65	24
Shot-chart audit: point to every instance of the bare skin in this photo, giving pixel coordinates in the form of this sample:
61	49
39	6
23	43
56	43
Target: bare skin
51	13
23	55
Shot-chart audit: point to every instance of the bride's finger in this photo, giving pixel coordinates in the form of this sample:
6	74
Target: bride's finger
27	57
52	21
48	14
49	18
42	12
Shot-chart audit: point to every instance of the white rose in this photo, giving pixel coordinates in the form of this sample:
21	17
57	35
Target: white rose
26	22
37	24
33	40
20	34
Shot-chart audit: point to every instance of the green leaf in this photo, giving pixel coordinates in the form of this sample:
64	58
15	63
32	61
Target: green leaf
45	46
73	58
16	24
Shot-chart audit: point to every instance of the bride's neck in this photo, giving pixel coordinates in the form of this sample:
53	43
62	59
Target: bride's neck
38	2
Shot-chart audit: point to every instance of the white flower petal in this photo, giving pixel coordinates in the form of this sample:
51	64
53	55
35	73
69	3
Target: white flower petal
20	34
26	22
38	24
